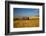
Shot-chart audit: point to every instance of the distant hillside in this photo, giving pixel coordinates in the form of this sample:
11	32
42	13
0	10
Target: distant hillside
25	17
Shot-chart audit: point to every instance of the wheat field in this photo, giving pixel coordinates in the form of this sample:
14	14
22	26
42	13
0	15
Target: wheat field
26	23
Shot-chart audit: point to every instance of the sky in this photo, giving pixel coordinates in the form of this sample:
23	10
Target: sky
25	12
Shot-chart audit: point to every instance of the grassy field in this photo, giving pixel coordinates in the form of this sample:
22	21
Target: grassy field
26	23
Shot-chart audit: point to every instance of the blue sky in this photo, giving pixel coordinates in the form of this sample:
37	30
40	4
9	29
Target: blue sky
25	12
